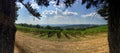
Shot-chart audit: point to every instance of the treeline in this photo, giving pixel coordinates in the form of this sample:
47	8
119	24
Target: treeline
71	27
38	26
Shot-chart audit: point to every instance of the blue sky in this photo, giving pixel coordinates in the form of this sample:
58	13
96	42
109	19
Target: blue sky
53	14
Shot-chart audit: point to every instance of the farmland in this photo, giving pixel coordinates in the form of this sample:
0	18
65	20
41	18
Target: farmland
62	34
57	40
93	44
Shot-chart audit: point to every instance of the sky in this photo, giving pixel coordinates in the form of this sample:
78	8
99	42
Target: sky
59	14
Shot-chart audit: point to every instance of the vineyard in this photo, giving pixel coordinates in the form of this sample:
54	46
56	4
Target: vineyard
61	34
37	39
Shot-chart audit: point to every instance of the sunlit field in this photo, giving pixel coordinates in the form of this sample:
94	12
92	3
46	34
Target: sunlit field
49	40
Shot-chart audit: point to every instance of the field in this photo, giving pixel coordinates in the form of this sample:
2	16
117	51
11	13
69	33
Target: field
28	44
34	40
62	34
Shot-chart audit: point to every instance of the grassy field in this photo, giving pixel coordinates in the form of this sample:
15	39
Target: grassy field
62	35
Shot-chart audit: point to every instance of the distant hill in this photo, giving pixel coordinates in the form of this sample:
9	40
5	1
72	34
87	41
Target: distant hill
75	26
62	26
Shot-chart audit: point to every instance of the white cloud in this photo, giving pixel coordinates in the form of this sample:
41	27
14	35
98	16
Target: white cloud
58	12
49	12
88	15
59	19
19	4
69	13
61	5
34	4
52	2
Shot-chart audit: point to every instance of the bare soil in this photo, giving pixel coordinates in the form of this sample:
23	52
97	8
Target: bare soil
28	44
16	50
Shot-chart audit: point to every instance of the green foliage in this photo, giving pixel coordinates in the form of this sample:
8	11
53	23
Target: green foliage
32	11
67	36
96	3
95	30
104	12
59	33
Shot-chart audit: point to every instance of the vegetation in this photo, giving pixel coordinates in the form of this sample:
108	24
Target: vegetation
7	28
58	33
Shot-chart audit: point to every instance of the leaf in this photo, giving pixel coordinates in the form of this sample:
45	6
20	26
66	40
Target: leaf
31	10
88	5
20	0
101	1
42	2
95	3
58	1
103	11
83	1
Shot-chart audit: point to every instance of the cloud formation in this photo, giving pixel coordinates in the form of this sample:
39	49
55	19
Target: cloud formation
69	13
59	19
61	5
58	12
89	15
55	15
52	2
34	4
19	5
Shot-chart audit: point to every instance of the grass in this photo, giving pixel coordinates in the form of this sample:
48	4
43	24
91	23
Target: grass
95	30
62	35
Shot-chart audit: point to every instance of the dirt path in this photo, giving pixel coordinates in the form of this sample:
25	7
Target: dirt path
16	50
34	45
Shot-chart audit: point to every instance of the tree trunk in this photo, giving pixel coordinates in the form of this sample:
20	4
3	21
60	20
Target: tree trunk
7	26
114	27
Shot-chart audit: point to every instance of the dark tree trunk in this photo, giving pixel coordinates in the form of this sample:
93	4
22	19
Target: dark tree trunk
7	26
114	27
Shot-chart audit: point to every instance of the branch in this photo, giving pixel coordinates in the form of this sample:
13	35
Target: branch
31	10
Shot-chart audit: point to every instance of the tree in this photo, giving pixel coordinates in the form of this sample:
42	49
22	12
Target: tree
7	26
7	22
110	9
114	27
8	16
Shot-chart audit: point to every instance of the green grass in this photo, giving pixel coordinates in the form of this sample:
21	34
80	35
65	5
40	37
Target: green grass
95	30
62	34
88	31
